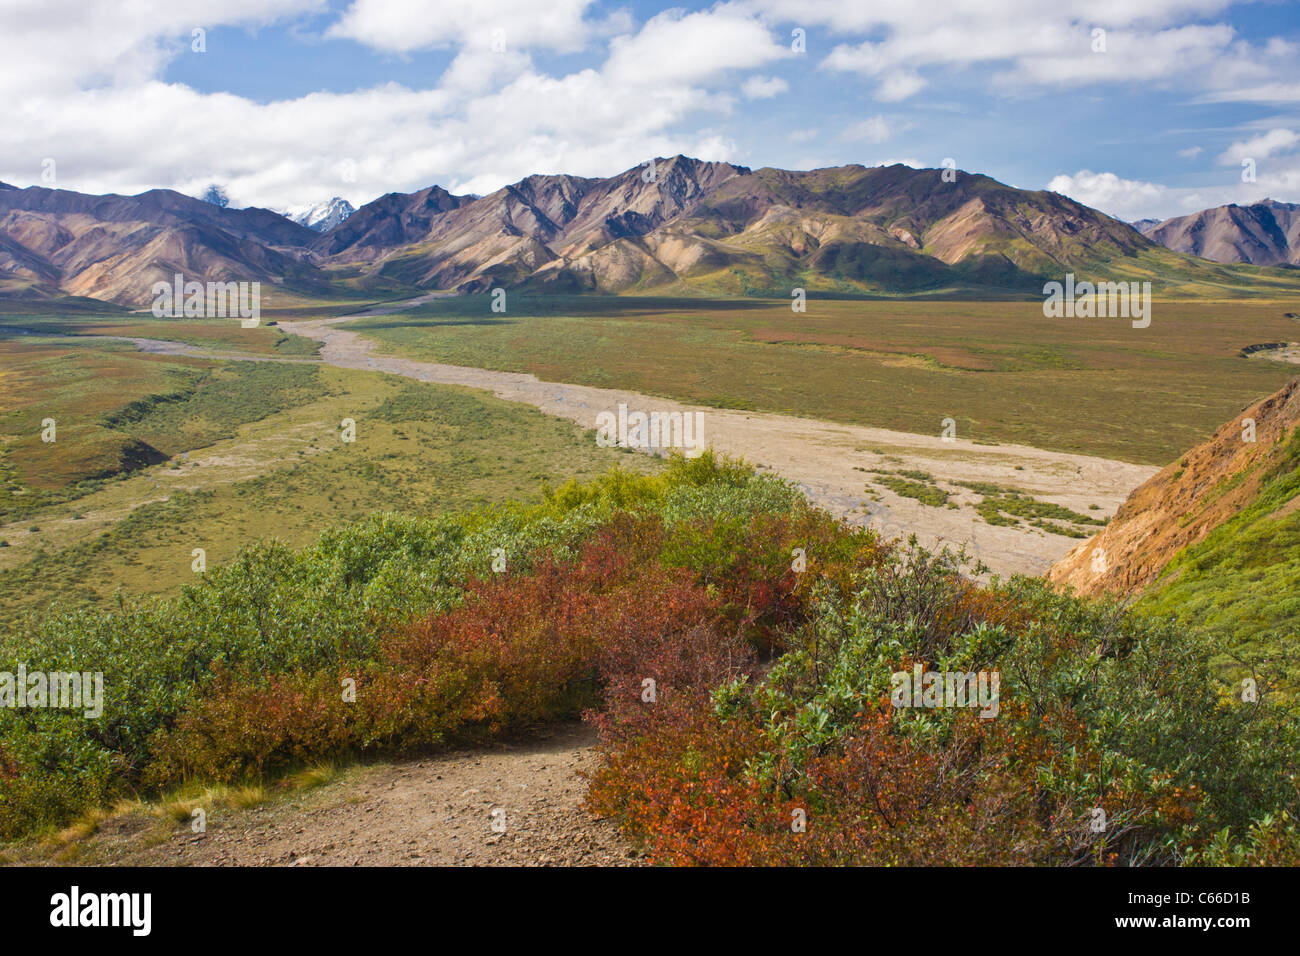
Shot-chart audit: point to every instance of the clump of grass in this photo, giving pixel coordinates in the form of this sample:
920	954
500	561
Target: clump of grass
1009	508
1060	529
69	854
991	488
179	810
315	776
180	805
918	485
1006	505
84	826
249	795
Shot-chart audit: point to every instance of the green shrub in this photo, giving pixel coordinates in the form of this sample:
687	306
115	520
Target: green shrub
281	618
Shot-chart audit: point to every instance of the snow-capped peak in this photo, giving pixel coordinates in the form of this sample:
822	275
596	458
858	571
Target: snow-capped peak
321	216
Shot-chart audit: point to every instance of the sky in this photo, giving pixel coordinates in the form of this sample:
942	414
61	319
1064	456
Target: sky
1141	108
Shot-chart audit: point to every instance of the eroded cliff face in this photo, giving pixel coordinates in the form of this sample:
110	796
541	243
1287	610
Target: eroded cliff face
1185	501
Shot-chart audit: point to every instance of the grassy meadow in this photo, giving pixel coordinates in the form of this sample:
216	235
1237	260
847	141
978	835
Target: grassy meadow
217	334
158	455
1001	370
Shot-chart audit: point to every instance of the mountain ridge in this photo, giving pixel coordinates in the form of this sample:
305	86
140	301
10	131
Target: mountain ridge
1266	233
116	247
669	224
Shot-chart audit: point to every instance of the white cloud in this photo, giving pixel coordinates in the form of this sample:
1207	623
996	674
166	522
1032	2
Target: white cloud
674	48
1263	93
1259	147
113	125
1032	44
763	87
1068	60
873	130
898	85
1122	198
477	70
1191	152
57	46
1131	199
402	26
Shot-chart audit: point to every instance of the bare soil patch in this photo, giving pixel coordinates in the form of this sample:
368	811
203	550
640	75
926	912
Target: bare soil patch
437	811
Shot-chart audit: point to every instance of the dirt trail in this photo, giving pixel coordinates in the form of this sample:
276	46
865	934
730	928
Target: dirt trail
828	461
432	812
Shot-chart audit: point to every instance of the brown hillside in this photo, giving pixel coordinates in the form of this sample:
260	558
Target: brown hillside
1265	234
116	247
1183	503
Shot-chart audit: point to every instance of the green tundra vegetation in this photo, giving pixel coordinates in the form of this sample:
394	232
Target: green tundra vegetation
772	633
217	334
1241	585
999	369
156	456
998	505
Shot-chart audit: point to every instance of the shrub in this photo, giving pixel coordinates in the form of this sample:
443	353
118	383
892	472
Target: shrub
771	685
1100	710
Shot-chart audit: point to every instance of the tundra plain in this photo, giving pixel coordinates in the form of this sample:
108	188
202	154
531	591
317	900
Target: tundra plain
237	436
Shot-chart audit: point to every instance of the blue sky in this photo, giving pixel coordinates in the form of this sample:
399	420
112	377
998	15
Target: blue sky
294	101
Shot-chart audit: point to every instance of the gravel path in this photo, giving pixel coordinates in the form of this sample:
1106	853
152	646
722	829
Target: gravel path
438	811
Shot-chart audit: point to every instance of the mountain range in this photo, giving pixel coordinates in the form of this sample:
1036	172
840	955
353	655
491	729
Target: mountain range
57	242
675	224
1265	233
